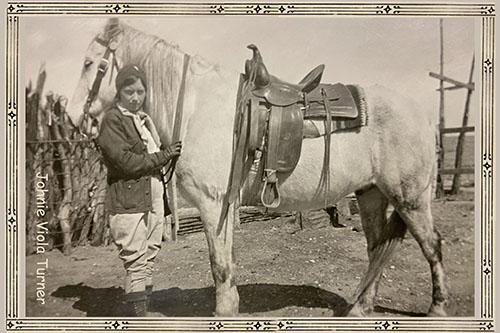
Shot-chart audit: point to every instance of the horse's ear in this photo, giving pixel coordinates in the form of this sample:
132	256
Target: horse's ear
112	28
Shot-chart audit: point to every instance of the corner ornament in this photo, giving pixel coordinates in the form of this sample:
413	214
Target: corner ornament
258	9
117	9
388	9
381	325
115	325
488	66
487	165
487	10
216	325
216	9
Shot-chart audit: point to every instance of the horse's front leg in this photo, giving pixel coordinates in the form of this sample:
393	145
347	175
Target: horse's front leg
220	247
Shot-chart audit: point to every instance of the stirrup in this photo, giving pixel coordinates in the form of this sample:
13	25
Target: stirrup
270	179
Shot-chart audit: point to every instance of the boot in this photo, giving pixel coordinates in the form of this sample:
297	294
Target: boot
139	308
137	303
149	293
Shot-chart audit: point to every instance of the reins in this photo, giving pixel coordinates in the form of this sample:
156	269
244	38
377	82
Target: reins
111	44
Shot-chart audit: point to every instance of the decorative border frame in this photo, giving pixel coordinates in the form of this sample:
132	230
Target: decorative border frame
16	10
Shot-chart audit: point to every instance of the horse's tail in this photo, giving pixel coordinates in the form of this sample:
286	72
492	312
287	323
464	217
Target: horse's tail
392	235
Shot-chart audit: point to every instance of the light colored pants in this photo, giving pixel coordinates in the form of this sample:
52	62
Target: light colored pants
138	237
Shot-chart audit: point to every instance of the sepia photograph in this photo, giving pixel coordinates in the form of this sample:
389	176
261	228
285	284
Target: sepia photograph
283	164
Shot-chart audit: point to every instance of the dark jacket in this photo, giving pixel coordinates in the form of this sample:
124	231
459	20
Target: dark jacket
130	166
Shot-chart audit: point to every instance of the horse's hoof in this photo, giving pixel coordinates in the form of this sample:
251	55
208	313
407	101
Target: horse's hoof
229	310
356	311
154	314
437	311
67	250
225	314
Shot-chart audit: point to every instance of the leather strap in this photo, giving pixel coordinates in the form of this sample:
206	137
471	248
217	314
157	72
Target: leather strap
175	137
110	45
328	126
270	196
240	139
180	101
178	117
239	143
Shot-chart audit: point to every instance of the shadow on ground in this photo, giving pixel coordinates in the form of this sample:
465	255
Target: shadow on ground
389	311
176	302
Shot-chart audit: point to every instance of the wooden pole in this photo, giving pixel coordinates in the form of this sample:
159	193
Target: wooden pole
32	152
455	188
64	212
439	185
167	229
172	196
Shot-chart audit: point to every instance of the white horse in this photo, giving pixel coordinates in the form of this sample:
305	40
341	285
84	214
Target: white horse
389	161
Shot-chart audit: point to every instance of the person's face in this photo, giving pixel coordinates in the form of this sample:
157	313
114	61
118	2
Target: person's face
132	96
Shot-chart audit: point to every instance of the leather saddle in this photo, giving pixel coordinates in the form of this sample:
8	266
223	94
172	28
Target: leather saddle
271	117
274	90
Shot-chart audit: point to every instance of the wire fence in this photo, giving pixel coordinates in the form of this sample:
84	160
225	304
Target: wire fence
65	188
65	177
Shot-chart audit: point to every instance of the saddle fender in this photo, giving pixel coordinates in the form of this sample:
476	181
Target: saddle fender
284	145
258	124
285	138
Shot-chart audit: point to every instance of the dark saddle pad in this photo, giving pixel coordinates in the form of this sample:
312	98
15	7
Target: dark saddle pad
340	100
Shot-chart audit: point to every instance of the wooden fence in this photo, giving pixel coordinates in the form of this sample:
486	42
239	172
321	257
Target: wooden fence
458	168
65	178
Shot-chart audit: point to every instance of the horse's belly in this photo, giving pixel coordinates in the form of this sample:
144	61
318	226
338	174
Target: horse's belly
350	168
205	161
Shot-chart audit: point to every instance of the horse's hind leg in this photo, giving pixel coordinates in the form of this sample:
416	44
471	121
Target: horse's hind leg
220	247
373	208
418	218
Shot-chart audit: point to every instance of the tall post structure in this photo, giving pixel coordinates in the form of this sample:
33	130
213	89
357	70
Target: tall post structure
455	188
439	184
455	84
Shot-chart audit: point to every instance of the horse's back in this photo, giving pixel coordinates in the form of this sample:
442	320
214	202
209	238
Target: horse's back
394	148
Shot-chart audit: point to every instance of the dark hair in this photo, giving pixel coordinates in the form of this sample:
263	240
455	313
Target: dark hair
131	80
127	82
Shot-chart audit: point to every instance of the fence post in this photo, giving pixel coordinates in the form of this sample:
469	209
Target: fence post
439	180
64	212
167	228
172	196
455	188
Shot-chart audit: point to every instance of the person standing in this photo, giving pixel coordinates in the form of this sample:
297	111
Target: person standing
134	157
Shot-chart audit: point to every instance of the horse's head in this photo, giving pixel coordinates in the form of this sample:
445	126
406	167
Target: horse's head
116	46
96	90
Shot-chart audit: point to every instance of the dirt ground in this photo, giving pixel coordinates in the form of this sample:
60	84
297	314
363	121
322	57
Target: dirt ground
281	271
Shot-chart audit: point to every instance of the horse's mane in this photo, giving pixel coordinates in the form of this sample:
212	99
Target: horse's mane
163	62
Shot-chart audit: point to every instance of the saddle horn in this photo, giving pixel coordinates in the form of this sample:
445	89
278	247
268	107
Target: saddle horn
256	65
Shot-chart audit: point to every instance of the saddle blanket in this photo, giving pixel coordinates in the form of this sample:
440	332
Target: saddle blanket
316	128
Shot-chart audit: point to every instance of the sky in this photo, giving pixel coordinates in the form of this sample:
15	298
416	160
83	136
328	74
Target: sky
397	52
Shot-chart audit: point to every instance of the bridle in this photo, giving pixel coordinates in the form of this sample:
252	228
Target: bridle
111	44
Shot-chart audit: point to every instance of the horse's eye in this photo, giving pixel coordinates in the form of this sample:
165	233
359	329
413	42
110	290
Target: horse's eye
87	63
